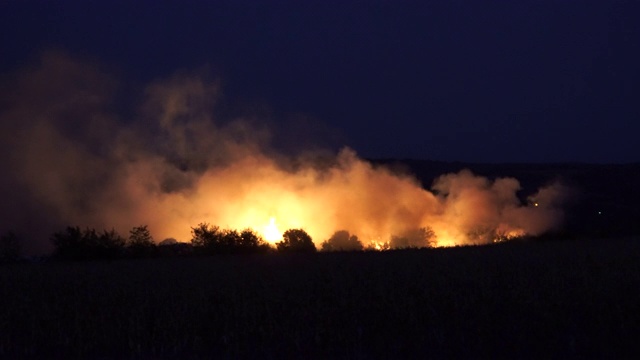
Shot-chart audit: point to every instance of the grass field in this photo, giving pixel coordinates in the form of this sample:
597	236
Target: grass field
527	300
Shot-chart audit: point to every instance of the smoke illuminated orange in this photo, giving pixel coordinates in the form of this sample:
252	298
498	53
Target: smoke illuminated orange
369	202
174	166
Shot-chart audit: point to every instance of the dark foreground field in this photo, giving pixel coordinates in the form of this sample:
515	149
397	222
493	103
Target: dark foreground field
524	300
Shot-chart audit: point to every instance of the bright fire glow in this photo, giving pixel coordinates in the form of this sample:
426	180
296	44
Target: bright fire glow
368	202
447	242
271	232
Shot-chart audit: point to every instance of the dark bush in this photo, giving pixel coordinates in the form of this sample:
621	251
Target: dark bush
209	239
174	248
110	245
296	240
341	240
10	249
251	242
206	238
140	242
414	238
75	244
69	244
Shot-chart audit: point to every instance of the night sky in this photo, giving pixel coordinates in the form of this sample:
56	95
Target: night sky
481	81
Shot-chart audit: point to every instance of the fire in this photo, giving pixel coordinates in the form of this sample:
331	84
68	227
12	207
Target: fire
271	232
378	245
446	242
510	235
173	167
371	203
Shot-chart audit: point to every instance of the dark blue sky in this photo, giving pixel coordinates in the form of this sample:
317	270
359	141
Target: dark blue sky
485	81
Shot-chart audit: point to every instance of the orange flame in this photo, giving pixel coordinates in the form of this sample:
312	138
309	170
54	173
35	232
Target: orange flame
271	232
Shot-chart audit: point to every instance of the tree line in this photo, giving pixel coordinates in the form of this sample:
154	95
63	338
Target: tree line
76	244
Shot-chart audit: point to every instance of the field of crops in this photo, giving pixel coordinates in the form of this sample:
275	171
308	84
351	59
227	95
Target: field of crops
526	300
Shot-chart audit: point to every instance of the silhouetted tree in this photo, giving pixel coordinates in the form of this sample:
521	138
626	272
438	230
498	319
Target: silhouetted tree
140	242
251	242
74	244
211	240
10	249
206	238
247	241
69	245
229	241
414	238
107	245
341	240
296	240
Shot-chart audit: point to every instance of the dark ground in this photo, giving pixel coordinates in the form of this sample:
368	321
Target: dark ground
526	300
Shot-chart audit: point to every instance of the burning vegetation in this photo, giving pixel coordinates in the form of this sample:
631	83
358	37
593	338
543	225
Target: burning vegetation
174	161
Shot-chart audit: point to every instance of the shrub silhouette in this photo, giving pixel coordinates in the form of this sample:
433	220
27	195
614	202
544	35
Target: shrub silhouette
74	244
140	242
168	241
69	244
206	238
170	247
341	240
211	240
109	245
251	242
413	238
296	240
229	240
10	249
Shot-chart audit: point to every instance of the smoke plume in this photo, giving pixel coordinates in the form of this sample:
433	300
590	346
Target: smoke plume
70	157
